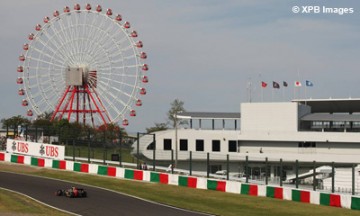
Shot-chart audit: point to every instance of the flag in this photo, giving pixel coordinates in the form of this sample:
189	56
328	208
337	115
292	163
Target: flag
297	84
276	85
309	83
285	84
263	84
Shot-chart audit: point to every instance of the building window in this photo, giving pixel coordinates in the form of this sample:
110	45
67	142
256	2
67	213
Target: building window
151	146
307	144
167	144
199	145
232	146
216	145
183	144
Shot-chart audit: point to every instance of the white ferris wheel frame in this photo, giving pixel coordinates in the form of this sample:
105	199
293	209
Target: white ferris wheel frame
84	38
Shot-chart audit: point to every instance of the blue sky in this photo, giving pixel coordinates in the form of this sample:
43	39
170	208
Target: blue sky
205	52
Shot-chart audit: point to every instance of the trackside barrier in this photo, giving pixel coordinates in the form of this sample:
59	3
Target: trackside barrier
296	195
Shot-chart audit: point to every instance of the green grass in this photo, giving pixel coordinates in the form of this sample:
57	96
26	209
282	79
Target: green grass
213	202
16	204
98	153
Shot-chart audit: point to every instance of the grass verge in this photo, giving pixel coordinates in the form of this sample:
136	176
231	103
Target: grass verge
16	204
214	202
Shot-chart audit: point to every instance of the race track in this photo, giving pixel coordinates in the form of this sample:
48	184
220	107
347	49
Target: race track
98	202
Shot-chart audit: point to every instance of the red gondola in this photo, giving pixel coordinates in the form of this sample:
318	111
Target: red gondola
127	25
20	69
143	55
24	102
66	9
139	44
38	27
138	102
76	7
98	8
22	58
46	19
109	12
118	18
19	80
125	122
143	91
29	113
133	34
88	6
31	36
145	79
25	46
132	113
21	92
145	67
56	13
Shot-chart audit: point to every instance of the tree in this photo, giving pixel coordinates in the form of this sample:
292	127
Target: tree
157	127
14	121
177	106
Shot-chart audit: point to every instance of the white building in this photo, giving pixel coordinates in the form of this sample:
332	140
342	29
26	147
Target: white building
324	131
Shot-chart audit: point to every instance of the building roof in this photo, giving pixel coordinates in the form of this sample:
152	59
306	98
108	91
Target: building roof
332	105
331	117
208	115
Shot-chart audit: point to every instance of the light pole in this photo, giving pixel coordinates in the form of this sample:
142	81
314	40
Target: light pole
176	139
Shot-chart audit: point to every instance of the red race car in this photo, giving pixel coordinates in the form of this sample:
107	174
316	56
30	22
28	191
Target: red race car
72	192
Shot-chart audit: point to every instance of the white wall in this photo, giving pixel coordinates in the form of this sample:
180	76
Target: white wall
269	117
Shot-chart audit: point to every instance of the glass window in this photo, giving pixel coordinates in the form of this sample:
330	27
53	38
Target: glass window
199	145
167	144
216	145
232	146
183	144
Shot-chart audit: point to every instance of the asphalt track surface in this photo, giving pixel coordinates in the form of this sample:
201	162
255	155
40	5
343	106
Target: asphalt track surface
98	202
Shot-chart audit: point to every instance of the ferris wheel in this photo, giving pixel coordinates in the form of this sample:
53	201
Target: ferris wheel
84	65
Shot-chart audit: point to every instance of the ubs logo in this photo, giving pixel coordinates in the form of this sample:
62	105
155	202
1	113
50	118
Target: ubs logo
13	146
42	151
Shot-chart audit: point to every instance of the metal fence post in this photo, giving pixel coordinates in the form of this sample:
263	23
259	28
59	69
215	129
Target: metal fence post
7	131
266	171
137	150
172	161
333	177
120	148
88	146
353	179
246	168
73	149
297	174
281	170
26	132
208	165
227	167
190	164
154	153
36	134
314	176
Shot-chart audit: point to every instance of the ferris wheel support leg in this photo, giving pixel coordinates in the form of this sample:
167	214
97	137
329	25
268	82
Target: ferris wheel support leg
106	113
97	107
75	90
60	103
91	114
84	106
77	105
